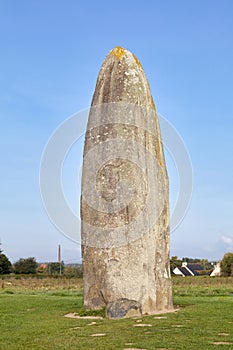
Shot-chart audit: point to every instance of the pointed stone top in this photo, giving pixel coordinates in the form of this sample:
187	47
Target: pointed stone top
120	53
122	79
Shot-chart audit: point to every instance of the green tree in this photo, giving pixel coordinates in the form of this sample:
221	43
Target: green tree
56	268
5	264
227	265
191	260
174	262
73	271
206	264
25	266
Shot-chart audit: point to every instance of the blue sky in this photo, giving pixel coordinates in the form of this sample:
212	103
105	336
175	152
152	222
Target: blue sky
51	53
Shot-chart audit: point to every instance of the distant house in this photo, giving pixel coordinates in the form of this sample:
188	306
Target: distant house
216	271
188	269
43	266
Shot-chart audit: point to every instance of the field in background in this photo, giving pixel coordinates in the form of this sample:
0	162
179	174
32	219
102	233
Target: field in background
32	317
39	283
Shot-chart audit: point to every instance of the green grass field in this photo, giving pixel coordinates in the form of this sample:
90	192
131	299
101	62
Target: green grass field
32	317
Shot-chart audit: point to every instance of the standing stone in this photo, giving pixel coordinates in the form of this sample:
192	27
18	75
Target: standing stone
124	201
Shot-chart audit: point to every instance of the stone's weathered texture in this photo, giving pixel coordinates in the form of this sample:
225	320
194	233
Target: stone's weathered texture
124	308
125	248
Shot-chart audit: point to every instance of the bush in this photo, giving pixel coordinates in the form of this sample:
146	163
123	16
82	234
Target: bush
73	271
25	266
5	264
227	265
56	268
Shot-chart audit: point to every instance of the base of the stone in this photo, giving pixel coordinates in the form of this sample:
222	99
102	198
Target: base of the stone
123	308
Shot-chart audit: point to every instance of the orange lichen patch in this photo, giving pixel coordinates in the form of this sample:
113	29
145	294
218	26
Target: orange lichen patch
118	52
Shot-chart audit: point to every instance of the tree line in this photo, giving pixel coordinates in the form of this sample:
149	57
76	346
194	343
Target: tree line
30	266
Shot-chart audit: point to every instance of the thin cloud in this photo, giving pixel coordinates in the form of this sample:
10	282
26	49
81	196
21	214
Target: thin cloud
228	240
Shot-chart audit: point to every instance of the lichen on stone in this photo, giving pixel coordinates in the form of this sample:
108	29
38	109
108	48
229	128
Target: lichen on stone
118	52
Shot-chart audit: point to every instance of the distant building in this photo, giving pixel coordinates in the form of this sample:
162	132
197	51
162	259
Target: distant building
216	271
43	266
188	269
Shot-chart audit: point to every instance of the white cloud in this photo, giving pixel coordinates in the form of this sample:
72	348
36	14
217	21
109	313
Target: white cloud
227	240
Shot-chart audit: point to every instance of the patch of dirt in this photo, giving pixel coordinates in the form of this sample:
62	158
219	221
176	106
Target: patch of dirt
74	315
143	325
162	312
160	317
98	335
222	343
92	323
177	325
224	334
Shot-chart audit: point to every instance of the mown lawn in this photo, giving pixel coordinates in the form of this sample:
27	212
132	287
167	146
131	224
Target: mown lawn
32	317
